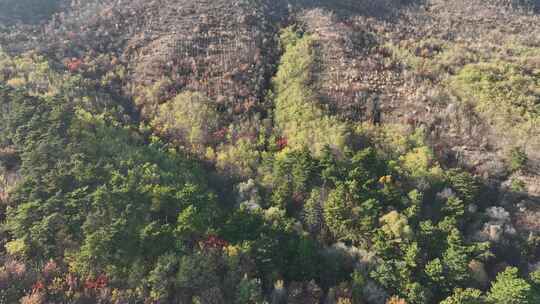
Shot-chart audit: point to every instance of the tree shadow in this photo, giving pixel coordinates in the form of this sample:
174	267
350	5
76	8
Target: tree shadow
380	9
28	11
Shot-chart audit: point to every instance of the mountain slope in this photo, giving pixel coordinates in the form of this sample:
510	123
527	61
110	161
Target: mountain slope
242	151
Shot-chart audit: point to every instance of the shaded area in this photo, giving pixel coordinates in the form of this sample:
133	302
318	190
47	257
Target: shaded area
27	11
378	9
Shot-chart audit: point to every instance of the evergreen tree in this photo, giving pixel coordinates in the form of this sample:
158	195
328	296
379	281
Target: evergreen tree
465	296
509	288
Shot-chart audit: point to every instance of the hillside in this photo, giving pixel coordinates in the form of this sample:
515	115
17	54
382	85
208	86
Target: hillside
270	151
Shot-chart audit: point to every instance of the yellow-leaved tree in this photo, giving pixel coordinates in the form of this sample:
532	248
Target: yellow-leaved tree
189	119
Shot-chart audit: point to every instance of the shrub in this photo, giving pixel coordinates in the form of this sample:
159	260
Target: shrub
517	185
518	159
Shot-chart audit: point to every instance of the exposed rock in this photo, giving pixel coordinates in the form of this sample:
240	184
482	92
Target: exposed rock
497	227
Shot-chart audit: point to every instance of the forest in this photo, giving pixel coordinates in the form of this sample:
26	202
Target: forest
269	152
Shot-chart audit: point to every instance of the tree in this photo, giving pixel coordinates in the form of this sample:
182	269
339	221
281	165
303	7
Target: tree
465	296
456	259
338	216
454	209
95	191
501	93
249	291
509	288
332	170
435	271
190	118
162	278
239	159
304	260
198	272
313	212
396	227
396	300
303	123
420	164
465	185
518	159
293	173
